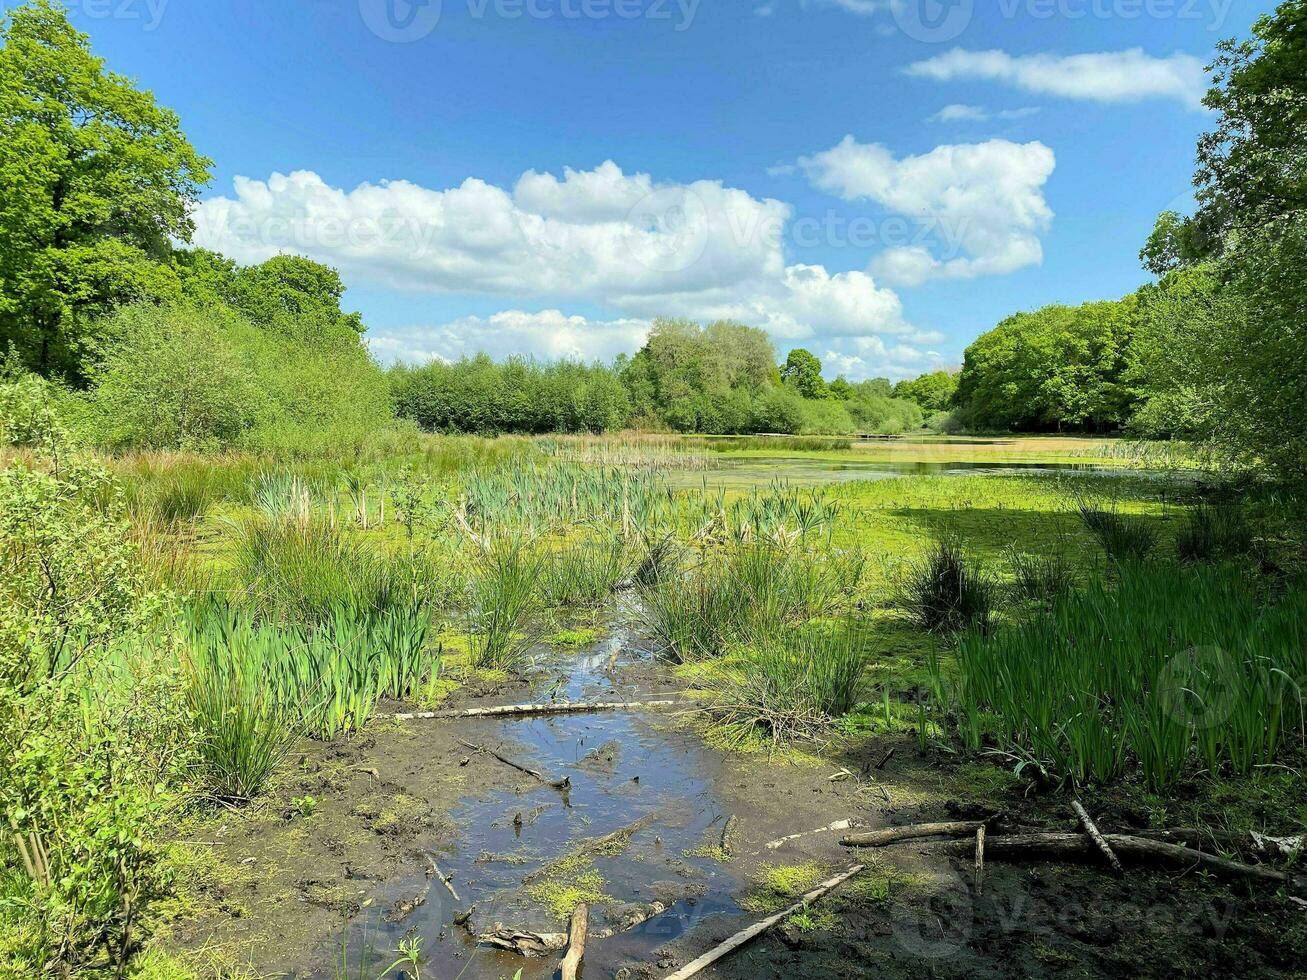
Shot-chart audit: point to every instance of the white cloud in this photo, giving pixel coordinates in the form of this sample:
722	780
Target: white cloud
1108	76
548	335
599	237
981	204
975	113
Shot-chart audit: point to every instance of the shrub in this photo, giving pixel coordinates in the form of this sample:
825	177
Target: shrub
946	592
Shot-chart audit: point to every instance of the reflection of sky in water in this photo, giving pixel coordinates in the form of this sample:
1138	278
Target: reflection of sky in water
675	776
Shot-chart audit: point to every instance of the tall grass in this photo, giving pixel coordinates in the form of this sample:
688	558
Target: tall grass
253	686
794	684
503	607
1213	532
946	591
1124	537
584	572
1173	670
1042	577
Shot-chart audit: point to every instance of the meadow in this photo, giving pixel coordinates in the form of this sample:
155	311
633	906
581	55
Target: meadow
1112	627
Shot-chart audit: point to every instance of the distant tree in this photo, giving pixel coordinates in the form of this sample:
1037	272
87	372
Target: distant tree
295	295
98	181
802	372
933	392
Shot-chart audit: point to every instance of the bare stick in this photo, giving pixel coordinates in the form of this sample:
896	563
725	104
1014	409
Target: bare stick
772	845
980	860
888	755
575	942
563	783
445	880
557	708
758	928
879	838
1096	836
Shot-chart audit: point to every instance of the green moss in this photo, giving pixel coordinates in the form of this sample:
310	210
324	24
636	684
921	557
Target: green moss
566	884
573	638
399	815
777	885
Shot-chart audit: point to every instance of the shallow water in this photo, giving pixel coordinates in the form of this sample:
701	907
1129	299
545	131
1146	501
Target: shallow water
657	769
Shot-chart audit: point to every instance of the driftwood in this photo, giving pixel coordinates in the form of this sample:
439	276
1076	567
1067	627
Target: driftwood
1096	836
1140	849
563	783
554	708
575	942
772	845
879	838
523	942
980	860
758	928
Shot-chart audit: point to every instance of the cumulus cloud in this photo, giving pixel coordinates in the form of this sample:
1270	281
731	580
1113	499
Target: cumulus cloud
975	113
981	204
547	335
1108	76
598	237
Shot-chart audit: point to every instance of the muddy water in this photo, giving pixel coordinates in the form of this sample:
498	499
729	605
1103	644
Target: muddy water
622	766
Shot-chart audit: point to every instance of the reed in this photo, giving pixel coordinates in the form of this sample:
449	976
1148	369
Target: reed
946	591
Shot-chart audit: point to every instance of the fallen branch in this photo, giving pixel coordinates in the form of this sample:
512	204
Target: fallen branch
1096	836
1263	846
890	835
728	834
980	860
772	845
556	708
575	943
758	928
1140	849
522	942
563	783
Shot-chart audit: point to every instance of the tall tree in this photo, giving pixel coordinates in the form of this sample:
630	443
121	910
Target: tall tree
98	181
802	372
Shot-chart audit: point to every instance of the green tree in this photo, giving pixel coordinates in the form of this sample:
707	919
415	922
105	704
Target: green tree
802	372
98	180
294	295
933	392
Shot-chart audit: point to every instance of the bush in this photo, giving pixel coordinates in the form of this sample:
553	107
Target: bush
946	592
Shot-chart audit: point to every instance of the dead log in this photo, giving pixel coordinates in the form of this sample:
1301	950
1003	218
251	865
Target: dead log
1139	849
575	943
1096	836
1264	847
980	860
563	783
772	845
555	708
879	838
758	928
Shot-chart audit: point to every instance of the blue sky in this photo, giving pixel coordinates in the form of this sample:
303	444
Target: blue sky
791	163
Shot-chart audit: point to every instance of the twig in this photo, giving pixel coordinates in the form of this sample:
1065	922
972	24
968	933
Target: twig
563	783
1096	836
575	942
445	880
758	928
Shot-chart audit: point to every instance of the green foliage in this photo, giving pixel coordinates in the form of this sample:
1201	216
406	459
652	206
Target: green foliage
503	605
1043	577
945	591
28	415
1172	669
519	396
98	178
802	372
206	378
1057	368
1212	532
933	392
